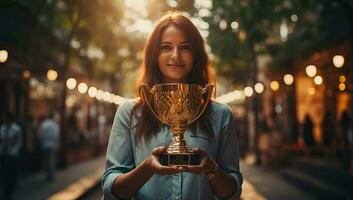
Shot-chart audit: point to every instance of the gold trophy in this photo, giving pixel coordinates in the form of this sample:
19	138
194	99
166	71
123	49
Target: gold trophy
177	105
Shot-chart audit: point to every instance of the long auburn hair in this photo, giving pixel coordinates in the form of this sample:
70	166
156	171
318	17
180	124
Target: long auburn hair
201	73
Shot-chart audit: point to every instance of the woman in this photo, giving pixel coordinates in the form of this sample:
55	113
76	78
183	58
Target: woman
174	53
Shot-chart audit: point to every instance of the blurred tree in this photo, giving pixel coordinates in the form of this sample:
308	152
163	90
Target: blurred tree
319	25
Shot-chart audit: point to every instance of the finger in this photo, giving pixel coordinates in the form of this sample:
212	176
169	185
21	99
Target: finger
199	151
169	169
182	168
160	169
158	150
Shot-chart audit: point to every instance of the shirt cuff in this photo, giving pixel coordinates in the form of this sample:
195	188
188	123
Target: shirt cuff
239	181
108	187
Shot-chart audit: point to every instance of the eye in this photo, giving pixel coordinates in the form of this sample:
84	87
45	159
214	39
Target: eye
185	47
166	47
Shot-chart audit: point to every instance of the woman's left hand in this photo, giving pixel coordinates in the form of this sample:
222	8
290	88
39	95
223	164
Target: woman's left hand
206	165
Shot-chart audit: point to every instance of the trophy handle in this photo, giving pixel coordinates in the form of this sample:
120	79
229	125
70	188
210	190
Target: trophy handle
208	88
147	93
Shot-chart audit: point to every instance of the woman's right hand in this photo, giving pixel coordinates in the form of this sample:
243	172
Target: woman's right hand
156	166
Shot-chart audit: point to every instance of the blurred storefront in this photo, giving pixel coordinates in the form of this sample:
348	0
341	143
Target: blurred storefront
325	84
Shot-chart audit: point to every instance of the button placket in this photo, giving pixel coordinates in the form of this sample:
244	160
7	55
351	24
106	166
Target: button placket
177	186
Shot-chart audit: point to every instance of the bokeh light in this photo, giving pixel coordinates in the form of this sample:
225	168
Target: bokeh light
311	91
92	91
82	88
259	88
311	70
248	91
338	61
274	85
341	86
52	75
288	79
3	56
71	83
318	80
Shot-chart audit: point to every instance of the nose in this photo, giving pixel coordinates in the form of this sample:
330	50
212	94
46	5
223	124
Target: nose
175	53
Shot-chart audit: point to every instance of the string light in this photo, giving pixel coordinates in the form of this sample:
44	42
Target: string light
338	61
71	83
92	92
341	86
311	70
82	88
3	56
52	75
259	88
288	79
248	91
342	79
318	80
274	85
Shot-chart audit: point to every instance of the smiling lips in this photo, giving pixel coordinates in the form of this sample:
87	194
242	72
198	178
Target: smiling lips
175	65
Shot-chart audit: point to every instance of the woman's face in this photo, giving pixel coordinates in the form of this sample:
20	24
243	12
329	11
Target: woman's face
175	57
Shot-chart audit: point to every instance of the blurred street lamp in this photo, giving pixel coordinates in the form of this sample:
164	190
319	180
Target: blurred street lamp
26	74
341	86
274	85
248	91
318	80
92	92
342	79
3	56
311	70
338	61
52	75
71	83
259	88
82	88
288	79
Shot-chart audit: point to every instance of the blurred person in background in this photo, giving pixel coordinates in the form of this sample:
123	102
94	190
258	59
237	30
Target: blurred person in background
343	143
328	132
308	128
49	136
10	145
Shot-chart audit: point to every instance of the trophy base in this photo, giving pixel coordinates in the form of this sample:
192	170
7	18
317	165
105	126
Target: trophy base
179	159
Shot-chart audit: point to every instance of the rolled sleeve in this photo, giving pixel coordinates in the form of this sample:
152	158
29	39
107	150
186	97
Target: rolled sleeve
120	154
228	154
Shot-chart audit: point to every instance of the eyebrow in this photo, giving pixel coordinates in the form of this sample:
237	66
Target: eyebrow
185	42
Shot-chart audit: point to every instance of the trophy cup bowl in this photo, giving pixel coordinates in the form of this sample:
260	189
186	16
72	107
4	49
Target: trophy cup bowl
177	105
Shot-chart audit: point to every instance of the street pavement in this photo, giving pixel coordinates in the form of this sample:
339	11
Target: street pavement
78	180
70	183
269	184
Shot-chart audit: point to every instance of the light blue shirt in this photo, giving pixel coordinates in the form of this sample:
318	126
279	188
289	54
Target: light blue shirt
10	139
123	155
49	134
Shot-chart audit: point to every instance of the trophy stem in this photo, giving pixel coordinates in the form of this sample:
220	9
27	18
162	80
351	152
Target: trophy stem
178	144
